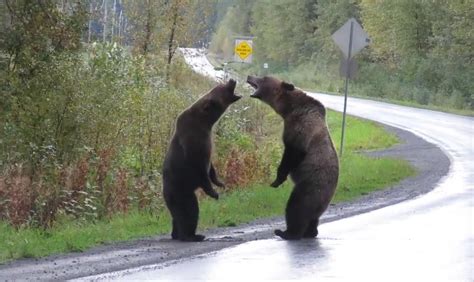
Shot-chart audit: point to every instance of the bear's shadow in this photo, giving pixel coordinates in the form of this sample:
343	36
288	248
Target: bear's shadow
303	253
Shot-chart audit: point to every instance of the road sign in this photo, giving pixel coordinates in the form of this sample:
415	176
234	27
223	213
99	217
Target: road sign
342	36
265	65
350	38
243	50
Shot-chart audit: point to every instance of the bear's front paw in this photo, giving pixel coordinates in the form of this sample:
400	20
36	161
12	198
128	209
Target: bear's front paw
280	233
219	184
277	183
214	195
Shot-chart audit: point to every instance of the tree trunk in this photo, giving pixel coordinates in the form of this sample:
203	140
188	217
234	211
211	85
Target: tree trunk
90	22
113	18
148	31
104	35
120	26
171	46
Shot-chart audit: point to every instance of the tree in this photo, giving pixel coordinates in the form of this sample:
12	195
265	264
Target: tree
144	19
166	25
399	29
38	30
330	16
38	36
281	29
452	28
185	23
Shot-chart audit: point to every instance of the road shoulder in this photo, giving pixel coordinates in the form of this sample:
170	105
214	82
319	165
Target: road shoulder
431	164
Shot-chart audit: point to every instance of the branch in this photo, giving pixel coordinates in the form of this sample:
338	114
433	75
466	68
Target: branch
48	14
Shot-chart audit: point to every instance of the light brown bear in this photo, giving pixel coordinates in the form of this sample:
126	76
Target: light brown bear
187	164
309	156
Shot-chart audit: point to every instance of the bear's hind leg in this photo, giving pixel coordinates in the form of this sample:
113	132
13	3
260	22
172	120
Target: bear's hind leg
296	217
312	230
188	220
174	232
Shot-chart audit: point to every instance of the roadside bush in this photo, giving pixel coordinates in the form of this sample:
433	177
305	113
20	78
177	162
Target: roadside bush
84	138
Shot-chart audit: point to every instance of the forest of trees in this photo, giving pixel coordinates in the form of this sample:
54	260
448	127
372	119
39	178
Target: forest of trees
89	90
420	51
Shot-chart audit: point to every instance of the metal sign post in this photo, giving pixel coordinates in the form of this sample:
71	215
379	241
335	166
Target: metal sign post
350	38
345	91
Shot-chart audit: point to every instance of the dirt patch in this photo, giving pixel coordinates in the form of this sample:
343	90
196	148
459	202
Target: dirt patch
431	164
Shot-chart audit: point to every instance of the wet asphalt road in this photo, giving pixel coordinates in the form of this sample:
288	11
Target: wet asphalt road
430	238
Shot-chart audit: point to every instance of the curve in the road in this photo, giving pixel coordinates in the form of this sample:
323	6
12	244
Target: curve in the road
429	238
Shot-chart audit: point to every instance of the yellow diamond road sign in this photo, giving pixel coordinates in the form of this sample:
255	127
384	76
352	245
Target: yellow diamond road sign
243	51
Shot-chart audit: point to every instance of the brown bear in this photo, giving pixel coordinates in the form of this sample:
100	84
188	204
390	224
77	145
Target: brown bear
187	165
309	155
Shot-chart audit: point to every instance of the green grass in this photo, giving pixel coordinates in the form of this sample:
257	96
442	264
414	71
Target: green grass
359	175
75	236
359	134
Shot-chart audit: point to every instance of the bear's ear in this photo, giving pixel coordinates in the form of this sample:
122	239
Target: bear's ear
231	84
287	86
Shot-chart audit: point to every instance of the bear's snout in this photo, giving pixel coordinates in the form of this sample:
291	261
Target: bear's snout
253	81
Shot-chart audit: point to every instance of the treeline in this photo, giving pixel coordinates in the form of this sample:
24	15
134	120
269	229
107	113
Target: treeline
89	93
420	50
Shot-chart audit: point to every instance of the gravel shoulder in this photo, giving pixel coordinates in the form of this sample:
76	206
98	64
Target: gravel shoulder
430	162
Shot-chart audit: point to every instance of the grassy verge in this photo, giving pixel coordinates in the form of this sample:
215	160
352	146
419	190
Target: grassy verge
74	236
359	175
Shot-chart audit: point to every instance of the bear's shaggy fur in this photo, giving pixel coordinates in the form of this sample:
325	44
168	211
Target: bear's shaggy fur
309	156
187	165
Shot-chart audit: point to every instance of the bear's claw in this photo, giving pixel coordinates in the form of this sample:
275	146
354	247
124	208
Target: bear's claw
276	183
214	195
285	235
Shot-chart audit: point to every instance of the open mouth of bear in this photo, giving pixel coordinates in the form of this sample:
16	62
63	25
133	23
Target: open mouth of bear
254	86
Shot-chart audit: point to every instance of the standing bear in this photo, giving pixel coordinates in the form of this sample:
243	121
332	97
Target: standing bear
309	156
187	165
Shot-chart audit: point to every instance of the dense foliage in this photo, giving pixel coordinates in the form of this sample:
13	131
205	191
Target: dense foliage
420	51
89	95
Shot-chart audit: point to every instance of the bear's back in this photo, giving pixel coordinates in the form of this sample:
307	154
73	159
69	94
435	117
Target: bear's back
308	124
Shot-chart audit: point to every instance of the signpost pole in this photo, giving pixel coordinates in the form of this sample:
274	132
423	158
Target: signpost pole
345	89
225	72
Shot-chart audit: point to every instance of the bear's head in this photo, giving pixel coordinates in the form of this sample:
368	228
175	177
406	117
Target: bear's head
283	97
213	104
272	91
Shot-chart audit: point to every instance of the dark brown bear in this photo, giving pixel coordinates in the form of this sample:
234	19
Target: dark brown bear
309	156
187	164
